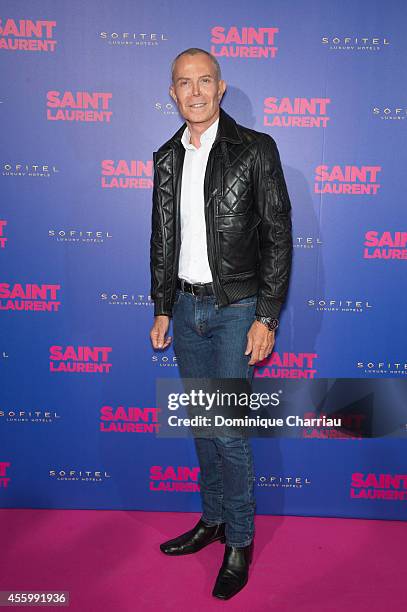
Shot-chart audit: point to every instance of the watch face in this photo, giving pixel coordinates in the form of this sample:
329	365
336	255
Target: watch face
272	324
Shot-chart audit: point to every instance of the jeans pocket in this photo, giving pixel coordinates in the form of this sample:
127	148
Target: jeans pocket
178	294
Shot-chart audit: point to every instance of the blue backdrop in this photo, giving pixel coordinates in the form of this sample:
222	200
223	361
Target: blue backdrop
84	104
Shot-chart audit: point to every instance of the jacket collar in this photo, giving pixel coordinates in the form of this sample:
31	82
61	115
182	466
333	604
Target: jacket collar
227	130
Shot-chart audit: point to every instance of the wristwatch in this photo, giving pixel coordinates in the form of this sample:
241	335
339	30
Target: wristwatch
269	322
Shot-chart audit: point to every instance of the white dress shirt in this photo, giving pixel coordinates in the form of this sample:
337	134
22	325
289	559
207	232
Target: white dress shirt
193	258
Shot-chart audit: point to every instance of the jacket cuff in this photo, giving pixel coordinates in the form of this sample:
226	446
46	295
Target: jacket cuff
268	307
160	310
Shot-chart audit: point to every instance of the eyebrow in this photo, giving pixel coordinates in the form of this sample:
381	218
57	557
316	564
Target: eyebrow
201	77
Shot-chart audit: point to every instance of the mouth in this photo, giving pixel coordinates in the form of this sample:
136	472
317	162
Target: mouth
198	105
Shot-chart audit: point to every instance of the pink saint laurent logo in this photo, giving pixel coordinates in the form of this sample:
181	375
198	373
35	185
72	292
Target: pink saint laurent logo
385	245
347	180
386	487
87	106
244	42
83	359
29	297
296	112
287	365
135	174
27	35
132	419
174	479
4	479
351	424
3	238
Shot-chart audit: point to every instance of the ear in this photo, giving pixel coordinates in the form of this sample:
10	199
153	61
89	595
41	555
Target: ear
172	93
221	89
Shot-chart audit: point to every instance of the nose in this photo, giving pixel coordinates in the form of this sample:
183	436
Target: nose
195	89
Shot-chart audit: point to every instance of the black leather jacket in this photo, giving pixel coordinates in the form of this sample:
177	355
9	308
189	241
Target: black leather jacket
247	215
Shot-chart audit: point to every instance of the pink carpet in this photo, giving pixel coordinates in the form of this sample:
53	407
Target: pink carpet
110	561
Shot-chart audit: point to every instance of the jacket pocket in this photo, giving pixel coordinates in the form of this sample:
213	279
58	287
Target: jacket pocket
239	224
238	244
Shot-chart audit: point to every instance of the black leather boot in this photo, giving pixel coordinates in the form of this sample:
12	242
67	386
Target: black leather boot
234	573
195	539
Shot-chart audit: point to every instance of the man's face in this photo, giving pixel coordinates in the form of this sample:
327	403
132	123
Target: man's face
196	89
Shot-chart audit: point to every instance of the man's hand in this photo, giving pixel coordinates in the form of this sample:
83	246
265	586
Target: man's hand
260	342
158	332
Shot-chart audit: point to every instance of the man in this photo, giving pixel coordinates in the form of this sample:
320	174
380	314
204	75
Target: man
221	250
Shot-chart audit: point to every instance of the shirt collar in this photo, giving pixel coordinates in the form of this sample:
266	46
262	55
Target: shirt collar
206	137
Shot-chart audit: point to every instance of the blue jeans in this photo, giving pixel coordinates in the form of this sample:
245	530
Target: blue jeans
209	342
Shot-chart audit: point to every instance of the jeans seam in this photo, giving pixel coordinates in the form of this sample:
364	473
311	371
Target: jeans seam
249	492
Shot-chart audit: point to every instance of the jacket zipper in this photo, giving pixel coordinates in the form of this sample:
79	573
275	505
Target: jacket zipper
177	200
212	264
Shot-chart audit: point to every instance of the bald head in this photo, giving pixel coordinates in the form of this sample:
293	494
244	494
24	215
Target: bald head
196	51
